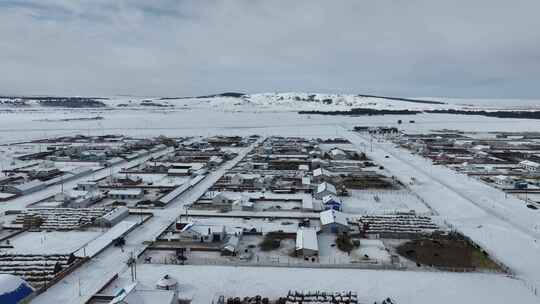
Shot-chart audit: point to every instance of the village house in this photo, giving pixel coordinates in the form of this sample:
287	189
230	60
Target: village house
337	154
194	231
78	198
178	172
503	181
87	186
334	221
231	245
126	194
532	167
243	204
113	217
321	175
128	179
324	189
306	242
330	202
24	188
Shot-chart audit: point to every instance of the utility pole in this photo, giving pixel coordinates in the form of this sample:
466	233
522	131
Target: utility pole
132	263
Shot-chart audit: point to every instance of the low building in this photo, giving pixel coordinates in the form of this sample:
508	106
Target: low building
178	172
530	166
231	245
330	202
128	179
307	203
243	204
130	294
303	167
320	175
324	189
334	221
6	196
196	232
113	217
337	154
25	188
503	180
307	244
78	198
219	198
126	194
87	186
215	161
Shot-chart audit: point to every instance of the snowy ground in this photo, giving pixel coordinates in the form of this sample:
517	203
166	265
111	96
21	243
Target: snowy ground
203	283
390	201
21	126
506	233
55	242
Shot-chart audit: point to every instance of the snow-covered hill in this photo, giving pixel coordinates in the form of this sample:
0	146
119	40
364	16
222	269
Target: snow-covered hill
291	101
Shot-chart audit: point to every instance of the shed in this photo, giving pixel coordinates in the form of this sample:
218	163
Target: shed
331	202
334	221
25	188
134	193
324	189
87	186
337	154
307	203
306	242
303	167
113	217
530	166
200	232
231	245
178	172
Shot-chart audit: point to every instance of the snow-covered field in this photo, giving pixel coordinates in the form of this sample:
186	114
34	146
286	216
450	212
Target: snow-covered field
390	201
21	126
204	283
54	242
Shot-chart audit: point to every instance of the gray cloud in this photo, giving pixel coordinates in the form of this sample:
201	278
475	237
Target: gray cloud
411	48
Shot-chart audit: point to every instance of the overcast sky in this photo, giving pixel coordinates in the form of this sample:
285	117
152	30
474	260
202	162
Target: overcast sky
470	48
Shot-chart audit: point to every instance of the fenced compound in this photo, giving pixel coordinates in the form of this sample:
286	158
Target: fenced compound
276	261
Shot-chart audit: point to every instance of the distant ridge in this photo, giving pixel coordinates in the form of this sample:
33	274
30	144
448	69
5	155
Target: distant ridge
226	94
405	99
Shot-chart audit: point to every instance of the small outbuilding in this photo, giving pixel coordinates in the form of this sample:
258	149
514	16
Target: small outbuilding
307	244
113	217
125	194
25	188
330	202
334	221
324	189
532	167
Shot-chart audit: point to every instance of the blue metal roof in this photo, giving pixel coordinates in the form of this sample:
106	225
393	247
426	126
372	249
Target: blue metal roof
13	289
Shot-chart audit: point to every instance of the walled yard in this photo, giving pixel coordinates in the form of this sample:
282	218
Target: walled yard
447	254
